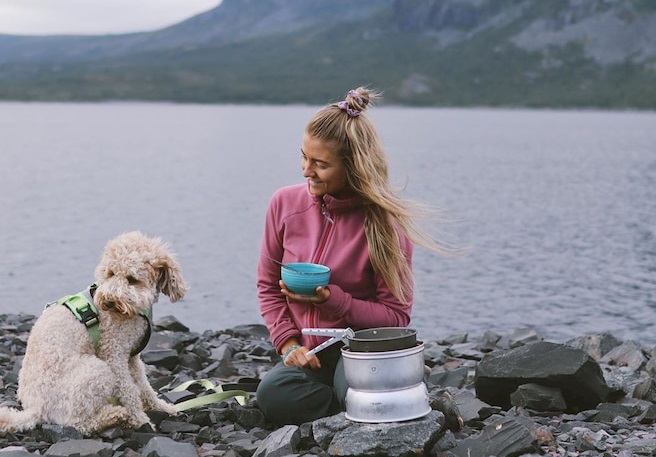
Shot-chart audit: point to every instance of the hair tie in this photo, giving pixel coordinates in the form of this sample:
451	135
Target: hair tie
356	95
345	106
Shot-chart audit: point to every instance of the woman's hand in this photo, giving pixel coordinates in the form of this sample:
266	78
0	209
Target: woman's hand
321	294
298	357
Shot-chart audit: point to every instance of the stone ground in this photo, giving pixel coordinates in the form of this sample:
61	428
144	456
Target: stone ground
516	394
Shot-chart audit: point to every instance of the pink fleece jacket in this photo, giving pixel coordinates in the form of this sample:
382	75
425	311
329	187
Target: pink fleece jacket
300	227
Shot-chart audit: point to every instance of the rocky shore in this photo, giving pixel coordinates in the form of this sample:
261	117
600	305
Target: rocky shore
517	395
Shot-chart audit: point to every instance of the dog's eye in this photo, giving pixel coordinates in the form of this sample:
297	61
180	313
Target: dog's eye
110	273
132	280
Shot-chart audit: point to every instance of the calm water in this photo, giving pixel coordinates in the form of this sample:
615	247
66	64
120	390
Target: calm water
558	206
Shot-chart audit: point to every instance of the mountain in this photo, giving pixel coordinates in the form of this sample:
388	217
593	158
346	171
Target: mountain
559	53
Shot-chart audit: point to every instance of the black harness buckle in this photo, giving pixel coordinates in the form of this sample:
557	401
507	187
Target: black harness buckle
88	316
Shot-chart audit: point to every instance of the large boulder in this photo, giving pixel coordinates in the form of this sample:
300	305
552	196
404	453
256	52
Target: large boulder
569	369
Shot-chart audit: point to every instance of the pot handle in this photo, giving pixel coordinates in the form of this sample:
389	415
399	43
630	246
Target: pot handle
338	334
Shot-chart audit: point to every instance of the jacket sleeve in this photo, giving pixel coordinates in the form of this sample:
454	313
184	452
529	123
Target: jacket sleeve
385	311
273	304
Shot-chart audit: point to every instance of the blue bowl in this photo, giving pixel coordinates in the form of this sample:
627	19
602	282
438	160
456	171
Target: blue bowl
303	278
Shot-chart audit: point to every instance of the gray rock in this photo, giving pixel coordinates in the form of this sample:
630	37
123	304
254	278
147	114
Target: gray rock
645	390
448	378
15	451
171	426
53	433
628	354
171	323
221	353
325	428
161	446
248	417
387	439
445	442
280	443
246	447
251	331
609	412
596	346
165	358
472	408
577	375
457	338
434	354
166	339
510	436
80	448
648	416
650	366
587	440
641	446
538	398
191	361
259	348
521	337
620	380
465	351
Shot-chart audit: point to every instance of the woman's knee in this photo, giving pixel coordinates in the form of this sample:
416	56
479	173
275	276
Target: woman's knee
290	395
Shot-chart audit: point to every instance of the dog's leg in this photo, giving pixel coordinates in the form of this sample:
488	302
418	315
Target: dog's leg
107	416
149	398
86	401
129	396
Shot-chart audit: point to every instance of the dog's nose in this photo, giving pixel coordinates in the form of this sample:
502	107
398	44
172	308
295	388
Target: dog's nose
110	305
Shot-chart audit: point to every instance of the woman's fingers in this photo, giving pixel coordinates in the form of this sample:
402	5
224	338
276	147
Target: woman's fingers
299	358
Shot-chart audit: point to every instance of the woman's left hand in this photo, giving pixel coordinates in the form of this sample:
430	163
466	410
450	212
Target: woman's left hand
322	294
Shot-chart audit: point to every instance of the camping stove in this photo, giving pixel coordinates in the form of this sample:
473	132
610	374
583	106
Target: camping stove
385	386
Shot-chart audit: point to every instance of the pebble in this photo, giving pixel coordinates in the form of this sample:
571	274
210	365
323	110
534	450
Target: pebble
517	395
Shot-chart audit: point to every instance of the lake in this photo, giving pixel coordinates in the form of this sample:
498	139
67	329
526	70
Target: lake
558	208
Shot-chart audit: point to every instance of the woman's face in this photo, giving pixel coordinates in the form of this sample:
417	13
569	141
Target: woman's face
323	169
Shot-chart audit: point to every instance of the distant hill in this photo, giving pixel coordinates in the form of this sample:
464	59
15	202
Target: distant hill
536	53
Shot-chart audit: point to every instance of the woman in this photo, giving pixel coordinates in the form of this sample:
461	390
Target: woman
346	216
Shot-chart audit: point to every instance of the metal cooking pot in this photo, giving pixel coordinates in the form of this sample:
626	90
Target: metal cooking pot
368	340
389	370
387	406
383	339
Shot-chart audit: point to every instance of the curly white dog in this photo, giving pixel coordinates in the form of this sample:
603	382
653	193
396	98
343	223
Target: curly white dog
66	379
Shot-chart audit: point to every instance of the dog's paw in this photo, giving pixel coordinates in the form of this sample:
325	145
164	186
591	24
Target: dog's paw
138	420
148	427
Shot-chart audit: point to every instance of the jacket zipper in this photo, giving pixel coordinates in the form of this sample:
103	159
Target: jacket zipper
326	233
317	258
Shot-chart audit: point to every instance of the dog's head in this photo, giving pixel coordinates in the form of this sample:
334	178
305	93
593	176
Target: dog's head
132	272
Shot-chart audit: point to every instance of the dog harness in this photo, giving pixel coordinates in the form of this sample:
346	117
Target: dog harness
82	307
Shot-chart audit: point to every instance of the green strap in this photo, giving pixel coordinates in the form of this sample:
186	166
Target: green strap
84	310
218	395
82	307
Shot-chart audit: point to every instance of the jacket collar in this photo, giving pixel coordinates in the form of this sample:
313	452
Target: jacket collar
338	205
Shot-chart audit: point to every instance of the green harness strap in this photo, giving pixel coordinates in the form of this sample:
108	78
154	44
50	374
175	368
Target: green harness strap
81	305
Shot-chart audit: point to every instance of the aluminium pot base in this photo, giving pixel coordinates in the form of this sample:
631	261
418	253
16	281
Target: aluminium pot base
387	406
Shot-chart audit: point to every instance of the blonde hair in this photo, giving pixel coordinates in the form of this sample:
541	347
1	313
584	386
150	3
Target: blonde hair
345	125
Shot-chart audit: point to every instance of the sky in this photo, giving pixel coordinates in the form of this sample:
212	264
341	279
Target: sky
95	17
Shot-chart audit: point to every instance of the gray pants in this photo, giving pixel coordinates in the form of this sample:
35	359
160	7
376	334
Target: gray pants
294	395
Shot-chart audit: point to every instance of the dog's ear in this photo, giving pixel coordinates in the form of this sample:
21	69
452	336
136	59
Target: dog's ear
170	281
